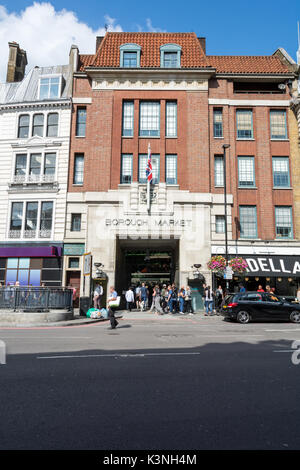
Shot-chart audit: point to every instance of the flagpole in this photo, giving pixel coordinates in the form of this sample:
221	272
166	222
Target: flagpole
148	185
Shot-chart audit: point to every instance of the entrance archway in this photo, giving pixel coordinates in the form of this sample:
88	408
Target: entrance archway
149	261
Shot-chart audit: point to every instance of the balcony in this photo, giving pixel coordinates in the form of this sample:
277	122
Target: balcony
29	234
25	182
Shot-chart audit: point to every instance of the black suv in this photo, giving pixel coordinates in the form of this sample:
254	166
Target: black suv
246	306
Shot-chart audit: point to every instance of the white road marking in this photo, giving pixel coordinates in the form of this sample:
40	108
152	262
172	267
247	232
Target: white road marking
285	331
119	355
284	351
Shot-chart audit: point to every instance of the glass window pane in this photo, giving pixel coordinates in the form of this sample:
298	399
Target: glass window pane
149	119
219	170
128	111
244	124
171	119
81	121
11	276
129	59
12	263
21	161
218	123
126	170
38	125
23	131
52	125
283	220
46	217
24	263
16	216
31	216
278	124
49	164
171	169
35	164
23	276
248	222
142	168
78	169
76	222
246	171
220	224
170	59
281	174
34	277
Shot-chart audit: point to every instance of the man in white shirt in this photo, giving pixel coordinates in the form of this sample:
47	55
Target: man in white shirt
129	296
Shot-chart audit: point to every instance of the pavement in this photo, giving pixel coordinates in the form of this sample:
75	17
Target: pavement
156	382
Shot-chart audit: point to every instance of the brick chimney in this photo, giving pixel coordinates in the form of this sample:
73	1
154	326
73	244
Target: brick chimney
203	44
99	39
17	61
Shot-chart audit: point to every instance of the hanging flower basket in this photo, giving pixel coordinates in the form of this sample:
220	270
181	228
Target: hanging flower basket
238	265
217	264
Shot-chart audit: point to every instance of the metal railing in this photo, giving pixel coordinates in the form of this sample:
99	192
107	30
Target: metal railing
30	298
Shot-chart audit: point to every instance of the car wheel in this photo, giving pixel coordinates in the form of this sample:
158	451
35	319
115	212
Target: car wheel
295	316
243	317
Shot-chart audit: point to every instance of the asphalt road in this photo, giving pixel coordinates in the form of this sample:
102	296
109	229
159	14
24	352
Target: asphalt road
154	383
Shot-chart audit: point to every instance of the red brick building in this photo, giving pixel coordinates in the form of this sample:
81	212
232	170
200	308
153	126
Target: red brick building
162	89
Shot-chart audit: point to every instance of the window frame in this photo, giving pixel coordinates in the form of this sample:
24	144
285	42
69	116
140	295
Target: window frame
143	180
51	125
37	231
72	224
220	111
78	123
130	47
42	173
127	102
170	48
272	112
286	159
174	157
123	156
220	216
76	156
291	236
244	206
174	103
49	77
220	158
19	127
249	158
143	102
244	110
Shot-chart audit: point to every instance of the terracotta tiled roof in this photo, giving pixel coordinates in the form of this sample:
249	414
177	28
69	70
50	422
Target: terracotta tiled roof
108	54
247	64
85	60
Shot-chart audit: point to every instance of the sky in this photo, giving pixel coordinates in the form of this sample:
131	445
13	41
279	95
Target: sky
46	30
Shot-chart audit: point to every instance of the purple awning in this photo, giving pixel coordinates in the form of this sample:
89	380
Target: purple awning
29	251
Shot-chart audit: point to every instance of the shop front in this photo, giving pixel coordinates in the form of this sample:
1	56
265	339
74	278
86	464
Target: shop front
31	265
281	272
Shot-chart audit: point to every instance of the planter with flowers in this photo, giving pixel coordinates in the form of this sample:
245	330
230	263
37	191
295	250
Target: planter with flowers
217	264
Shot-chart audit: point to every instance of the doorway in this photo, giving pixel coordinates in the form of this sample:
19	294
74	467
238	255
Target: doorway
73	280
149	261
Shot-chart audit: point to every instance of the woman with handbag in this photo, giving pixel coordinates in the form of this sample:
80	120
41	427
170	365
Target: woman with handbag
112	303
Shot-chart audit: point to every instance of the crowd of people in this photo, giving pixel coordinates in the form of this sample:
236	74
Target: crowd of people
159	298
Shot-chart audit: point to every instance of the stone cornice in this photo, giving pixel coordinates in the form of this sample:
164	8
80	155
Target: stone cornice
66	103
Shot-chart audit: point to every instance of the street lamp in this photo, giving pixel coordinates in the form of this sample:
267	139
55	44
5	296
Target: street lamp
225	146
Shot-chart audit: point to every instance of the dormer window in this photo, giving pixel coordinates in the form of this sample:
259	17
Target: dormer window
130	55
170	55
50	87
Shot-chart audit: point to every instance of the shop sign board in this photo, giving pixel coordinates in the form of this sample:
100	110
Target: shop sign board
276	266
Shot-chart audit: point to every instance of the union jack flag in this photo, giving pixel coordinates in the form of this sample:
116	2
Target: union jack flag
149	166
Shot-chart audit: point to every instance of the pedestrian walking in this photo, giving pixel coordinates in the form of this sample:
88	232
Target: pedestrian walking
208	301
129	296
181	296
157	301
112	303
219	297
188	301
138	296
98	292
144	297
298	294
260	288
